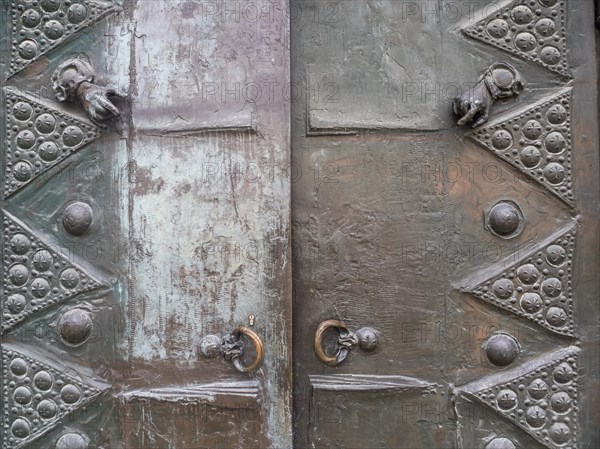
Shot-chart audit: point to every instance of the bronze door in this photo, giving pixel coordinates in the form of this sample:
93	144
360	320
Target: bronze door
446	275
146	260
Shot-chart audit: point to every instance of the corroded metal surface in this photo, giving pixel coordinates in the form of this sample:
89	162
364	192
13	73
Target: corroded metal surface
473	253
123	248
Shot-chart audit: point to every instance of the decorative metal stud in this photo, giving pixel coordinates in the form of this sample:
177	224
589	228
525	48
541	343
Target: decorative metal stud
500	443
77	218
504	219
71	441
75	326
501	349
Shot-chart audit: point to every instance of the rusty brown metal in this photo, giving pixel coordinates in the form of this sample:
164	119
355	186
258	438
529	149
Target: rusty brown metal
143	207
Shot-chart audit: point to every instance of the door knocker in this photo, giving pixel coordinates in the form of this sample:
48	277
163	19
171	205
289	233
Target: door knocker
366	339
73	81
231	347
501	80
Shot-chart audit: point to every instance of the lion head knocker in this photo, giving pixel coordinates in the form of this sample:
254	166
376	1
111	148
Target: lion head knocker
501	80
73	81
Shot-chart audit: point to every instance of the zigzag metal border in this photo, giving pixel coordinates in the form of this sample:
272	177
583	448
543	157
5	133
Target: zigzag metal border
39	27
540	397
39	137
35	275
537	286
29	382
536	140
531	30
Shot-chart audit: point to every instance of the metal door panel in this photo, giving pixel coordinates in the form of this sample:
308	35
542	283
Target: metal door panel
353	411
393	230
177	97
399	54
200	418
184	241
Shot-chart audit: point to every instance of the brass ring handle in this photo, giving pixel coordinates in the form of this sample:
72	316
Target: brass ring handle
366	338
318	342
258	346
231	348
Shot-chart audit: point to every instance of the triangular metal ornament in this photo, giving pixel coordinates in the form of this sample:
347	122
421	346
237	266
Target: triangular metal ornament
36	397
540	396
38	137
537	141
36	275
532	30
537	286
40	26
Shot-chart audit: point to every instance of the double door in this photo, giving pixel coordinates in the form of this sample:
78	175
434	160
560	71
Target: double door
258	225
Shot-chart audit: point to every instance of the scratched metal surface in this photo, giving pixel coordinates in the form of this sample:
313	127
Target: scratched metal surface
190	231
391	211
389	222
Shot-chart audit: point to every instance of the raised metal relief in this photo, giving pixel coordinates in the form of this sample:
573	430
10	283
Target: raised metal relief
72	441
501	80
541	397
231	347
73	81
38	138
538	286
224	394
500	443
40	26
537	141
504	219
502	349
36	397
370	382
77	218
36	275
75	326
533	30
